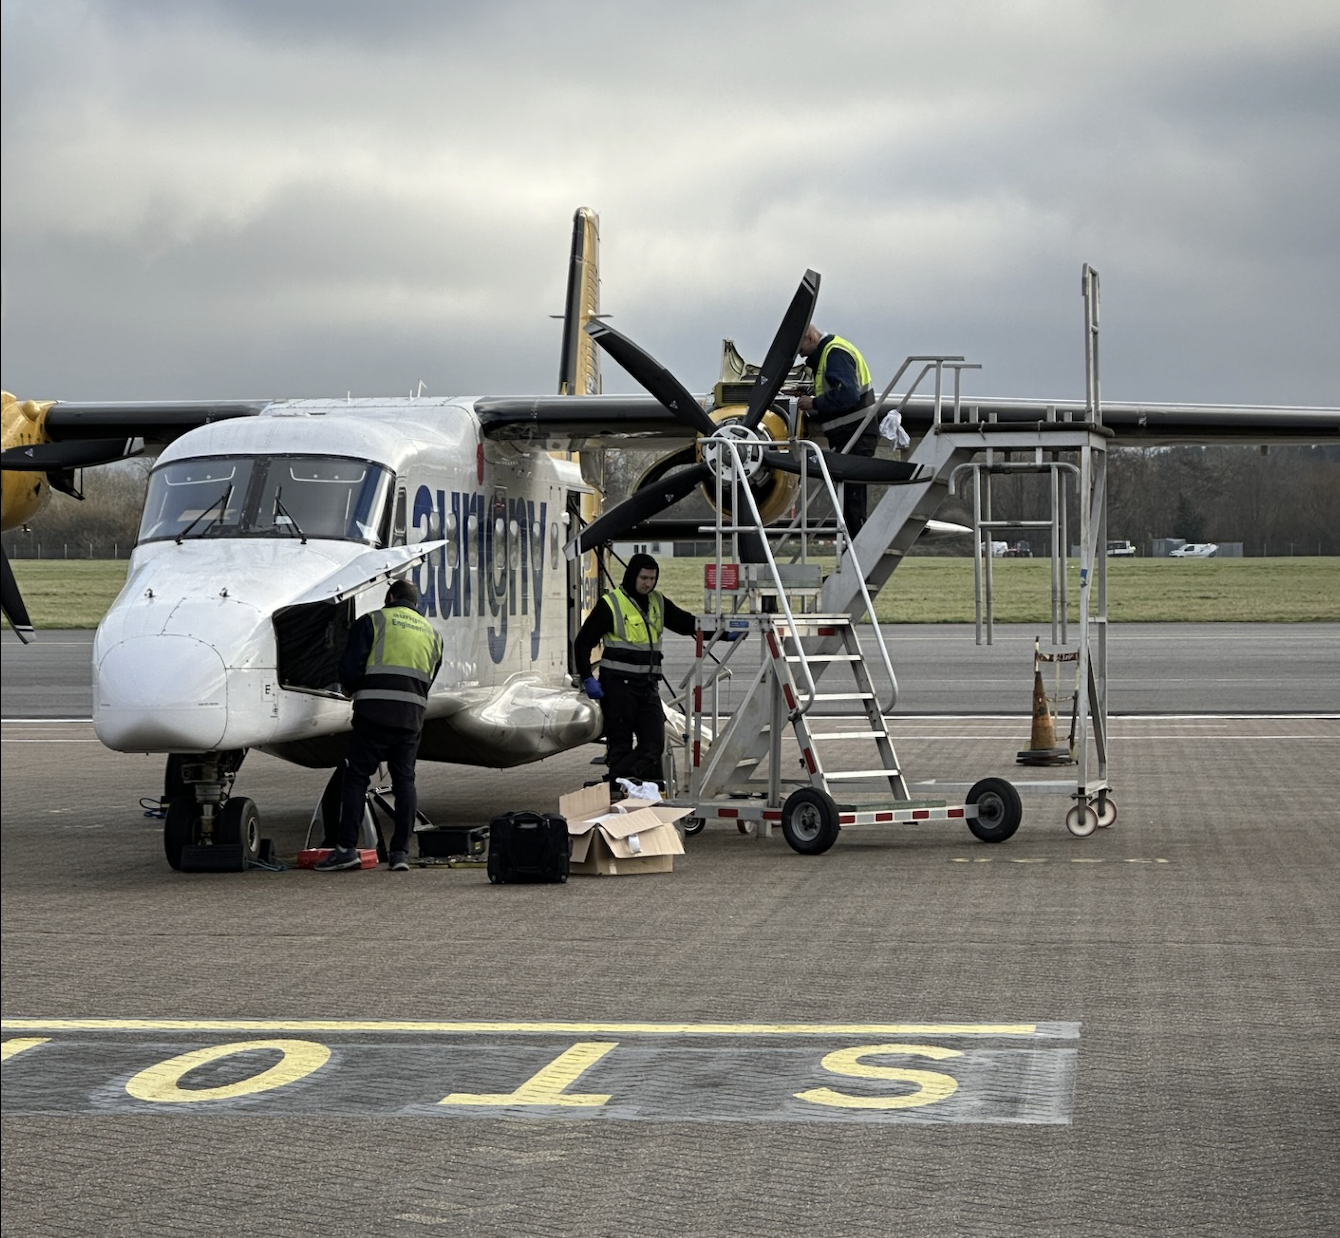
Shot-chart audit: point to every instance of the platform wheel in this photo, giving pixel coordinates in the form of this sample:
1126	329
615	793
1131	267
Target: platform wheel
810	821
693	825
1081	821
179	827
1107	812
999	810
239	822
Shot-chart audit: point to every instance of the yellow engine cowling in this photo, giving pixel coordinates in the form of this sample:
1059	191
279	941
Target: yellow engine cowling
22	495
777	494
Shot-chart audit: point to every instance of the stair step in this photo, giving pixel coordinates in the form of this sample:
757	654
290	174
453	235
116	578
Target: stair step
849	735
823	657
850	775
844	696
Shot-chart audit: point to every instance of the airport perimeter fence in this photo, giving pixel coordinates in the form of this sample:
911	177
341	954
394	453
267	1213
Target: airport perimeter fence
23	548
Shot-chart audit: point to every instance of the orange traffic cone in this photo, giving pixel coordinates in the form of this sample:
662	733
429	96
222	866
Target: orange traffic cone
1042	749
1044	729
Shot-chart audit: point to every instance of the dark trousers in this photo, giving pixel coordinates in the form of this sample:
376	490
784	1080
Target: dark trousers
370	744
634	729
855	497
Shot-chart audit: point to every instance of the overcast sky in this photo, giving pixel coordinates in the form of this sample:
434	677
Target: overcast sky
235	198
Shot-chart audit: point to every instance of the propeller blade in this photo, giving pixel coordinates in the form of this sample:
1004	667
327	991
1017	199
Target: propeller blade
11	602
675	460
653	376
639	505
782	355
865	469
44	457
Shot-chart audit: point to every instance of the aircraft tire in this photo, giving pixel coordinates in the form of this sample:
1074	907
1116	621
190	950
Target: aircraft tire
999	810
240	822
179	828
810	821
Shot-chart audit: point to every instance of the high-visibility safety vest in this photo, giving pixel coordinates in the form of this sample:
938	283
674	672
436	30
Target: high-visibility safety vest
406	652
633	645
866	394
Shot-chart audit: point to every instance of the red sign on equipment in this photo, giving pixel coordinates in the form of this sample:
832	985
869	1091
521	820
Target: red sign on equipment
730	575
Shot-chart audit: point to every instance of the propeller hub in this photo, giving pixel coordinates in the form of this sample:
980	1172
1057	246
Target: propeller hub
750	444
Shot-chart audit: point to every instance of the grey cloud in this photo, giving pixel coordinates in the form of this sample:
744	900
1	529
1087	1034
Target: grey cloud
289	198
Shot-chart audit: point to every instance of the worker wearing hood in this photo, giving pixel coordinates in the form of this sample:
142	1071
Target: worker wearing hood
629	622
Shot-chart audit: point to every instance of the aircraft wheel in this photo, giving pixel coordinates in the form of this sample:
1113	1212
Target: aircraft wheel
179	827
693	825
1107	812
1081	821
240	822
999	810
810	821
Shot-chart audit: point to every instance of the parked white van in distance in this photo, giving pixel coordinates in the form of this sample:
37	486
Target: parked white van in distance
1196	550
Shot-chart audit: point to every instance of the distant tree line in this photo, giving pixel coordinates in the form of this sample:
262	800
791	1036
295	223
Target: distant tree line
1277	501
103	526
1280	501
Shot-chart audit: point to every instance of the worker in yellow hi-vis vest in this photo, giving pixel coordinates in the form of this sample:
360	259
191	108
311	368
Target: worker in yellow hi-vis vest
841	406
629	621
392	657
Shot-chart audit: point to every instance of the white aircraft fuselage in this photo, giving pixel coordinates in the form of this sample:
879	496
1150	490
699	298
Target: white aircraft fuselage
264	538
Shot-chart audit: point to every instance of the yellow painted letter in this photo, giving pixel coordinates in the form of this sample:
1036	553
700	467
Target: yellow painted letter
546	1087
932	1086
11	1048
159	1084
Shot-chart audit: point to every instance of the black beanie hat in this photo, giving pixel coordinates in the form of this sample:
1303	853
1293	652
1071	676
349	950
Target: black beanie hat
638	563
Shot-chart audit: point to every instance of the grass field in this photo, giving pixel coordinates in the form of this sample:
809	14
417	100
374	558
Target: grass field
75	593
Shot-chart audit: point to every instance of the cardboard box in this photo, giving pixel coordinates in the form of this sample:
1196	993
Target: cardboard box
631	837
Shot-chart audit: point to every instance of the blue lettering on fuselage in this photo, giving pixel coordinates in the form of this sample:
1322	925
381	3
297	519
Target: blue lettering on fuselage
493	563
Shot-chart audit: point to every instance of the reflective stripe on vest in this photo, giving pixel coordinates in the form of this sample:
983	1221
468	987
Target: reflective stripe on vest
633	646
405	652
866	395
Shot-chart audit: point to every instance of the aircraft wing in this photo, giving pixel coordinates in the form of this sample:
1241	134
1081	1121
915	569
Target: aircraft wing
1147	425
579	422
155	421
572	423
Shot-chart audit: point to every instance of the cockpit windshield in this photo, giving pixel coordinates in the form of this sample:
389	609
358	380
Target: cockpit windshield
268	496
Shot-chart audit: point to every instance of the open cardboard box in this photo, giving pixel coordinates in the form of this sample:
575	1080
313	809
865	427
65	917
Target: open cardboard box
631	837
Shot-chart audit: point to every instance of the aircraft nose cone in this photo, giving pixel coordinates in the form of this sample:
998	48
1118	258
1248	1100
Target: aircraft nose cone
160	693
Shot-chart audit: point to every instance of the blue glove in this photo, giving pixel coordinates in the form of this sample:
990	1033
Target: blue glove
592	688
733	635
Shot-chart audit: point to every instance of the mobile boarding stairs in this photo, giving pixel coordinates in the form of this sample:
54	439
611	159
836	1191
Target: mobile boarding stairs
771	761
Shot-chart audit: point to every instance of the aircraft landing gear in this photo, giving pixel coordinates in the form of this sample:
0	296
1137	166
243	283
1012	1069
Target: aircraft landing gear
204	829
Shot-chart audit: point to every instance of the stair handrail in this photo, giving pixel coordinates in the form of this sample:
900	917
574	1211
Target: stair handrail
809	448
736	470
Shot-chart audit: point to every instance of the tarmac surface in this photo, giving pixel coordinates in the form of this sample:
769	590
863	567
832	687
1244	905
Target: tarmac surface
1153	668
915	1033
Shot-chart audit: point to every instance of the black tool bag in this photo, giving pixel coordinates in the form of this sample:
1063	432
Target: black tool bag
529	846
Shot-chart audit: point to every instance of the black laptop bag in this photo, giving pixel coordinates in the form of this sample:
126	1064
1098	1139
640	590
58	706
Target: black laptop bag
529	846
